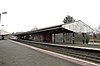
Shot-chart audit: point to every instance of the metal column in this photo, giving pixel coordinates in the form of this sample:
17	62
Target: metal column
63	38
73	38
54	37
83	38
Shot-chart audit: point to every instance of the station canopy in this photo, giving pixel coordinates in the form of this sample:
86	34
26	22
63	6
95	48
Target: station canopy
78	26
2	32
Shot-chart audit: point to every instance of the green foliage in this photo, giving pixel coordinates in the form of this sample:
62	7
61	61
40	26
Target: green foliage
68	19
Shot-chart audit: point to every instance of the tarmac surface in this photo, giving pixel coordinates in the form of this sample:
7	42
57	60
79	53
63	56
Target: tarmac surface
12	54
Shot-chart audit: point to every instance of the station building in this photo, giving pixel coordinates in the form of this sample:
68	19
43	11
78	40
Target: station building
74	32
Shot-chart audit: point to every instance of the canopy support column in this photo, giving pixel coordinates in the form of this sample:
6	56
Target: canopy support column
73	38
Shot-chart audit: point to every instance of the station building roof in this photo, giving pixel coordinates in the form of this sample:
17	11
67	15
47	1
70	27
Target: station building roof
78	26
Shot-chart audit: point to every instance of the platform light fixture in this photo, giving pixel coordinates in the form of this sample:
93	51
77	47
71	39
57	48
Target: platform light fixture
4	12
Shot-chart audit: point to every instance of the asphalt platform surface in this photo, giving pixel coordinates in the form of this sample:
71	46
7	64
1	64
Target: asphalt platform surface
12	54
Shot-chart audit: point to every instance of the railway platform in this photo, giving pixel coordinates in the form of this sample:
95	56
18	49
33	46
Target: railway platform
90	52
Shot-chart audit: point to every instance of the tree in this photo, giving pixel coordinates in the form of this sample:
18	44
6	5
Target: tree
68	19
35	28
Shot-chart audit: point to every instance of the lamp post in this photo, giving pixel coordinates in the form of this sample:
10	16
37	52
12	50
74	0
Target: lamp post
0	22
1	14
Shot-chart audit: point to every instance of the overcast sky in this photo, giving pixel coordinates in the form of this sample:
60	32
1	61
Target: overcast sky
23	15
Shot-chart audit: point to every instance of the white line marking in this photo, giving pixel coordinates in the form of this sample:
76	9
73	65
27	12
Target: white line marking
61	56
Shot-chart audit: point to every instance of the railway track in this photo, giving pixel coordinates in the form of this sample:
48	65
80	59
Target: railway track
90	55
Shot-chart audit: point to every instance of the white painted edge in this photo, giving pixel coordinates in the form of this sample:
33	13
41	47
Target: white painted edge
61	56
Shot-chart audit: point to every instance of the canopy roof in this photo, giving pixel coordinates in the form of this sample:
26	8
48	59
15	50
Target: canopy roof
2	32
77	26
